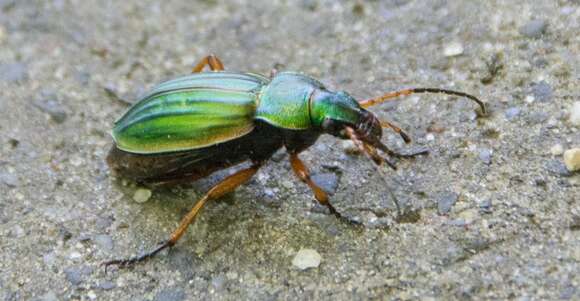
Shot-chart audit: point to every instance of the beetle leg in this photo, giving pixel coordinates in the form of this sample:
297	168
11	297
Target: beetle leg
227	185
212	61
368	149
397	130
391	153
321	196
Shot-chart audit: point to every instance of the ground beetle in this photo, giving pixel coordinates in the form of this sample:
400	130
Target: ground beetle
189	127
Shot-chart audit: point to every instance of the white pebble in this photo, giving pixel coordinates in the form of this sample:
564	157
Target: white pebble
575	114
557	150
453	49
572	159
75	255
142	195
530	98
306	258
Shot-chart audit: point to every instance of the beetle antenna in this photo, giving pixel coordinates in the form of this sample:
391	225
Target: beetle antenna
391	95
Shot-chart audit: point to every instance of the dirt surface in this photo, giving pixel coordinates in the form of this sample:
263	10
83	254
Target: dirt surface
490	213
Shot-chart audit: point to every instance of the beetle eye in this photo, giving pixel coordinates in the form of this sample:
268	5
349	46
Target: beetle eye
334	127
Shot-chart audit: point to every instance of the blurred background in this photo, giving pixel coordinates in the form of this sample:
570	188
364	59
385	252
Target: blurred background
491	213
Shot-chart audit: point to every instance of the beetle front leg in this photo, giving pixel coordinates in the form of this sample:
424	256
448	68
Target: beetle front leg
212	61
303	174
226	186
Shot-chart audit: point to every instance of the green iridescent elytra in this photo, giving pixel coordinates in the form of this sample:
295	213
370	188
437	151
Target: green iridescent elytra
204	109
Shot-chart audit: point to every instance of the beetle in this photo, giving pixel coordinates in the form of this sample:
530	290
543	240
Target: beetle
189	127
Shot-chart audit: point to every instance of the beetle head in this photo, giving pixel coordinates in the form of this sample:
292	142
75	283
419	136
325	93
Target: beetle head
340	115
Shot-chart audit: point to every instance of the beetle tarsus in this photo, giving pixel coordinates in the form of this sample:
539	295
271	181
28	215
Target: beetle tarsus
341	217
212	61
410	155
124	263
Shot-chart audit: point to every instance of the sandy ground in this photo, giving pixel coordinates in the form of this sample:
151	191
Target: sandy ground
491	213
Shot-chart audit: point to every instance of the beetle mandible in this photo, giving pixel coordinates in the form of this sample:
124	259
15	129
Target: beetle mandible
189	127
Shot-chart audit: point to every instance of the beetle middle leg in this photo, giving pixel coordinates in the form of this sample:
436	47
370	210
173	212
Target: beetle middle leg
226	186
321	196
212	61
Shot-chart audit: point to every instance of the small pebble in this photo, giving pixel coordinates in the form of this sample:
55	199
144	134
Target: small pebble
512	113
575	114
534	29
306	258
219	282
13	72
107	285
542	91
469	215
446	201
327	181
170	294
537	117
557	150
486	206
557	167
287	184
453	49
572	159
75	275
49	296
9	179
104	241
53	108
142	195
485	155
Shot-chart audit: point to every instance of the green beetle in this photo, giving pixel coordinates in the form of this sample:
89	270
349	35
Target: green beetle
189	127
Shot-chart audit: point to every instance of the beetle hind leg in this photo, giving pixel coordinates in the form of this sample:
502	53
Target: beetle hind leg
226	186
214	63
321	196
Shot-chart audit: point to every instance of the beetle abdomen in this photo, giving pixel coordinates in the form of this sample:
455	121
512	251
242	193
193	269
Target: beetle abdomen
190	112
